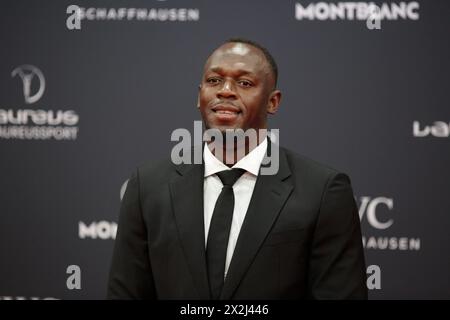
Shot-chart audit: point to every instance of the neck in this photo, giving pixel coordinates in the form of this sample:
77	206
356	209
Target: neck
232	150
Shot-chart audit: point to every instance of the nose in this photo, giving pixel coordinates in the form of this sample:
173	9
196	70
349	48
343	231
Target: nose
226	91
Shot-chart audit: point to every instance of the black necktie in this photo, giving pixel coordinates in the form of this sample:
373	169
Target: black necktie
219	231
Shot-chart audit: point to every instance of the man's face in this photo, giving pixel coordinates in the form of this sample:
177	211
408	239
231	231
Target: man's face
237	89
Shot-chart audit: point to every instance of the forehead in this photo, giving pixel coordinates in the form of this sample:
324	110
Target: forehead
238	57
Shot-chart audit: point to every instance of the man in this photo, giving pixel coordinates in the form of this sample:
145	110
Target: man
189	231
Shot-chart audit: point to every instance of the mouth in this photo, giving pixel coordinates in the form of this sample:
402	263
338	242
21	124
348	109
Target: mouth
225	112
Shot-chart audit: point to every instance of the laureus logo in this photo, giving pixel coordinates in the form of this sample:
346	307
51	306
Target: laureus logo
28	73
37	122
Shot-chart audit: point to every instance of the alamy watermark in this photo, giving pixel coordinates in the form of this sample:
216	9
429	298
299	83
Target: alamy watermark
74	279
373	22
73	21
227	146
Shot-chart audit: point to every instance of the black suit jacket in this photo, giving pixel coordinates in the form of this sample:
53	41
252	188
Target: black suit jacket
301	236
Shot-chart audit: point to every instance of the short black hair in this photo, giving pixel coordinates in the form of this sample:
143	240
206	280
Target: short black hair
270	59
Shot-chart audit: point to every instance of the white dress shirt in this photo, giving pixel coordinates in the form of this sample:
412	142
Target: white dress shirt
243	190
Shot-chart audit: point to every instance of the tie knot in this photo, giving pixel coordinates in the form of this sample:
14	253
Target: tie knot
229	177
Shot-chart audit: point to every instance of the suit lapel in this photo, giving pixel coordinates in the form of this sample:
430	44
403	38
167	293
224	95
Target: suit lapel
187	201
269	195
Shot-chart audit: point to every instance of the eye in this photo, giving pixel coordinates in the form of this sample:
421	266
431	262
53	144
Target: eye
213	80
245	83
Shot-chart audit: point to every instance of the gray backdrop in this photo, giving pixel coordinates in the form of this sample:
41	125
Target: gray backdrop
117	88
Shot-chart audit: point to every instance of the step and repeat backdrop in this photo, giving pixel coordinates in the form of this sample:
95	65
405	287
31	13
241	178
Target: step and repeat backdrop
92	89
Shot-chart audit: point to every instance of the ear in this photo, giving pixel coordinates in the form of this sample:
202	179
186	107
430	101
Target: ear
198	96
274	102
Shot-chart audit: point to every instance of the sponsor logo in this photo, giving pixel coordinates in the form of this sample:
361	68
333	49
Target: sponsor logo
379	214
77	14
357	11
27	73
438	129
37	123
103	230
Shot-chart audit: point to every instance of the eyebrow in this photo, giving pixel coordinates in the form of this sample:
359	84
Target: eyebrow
239	71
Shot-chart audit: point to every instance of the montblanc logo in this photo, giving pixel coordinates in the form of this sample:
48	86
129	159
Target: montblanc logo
439	129
97	230
38	123
357	11
27	73
379	214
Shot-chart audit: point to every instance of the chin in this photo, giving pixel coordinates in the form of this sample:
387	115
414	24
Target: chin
223	127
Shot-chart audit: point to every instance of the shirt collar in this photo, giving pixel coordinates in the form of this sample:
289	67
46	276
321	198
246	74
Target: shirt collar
251	162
